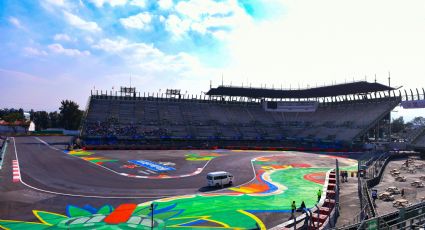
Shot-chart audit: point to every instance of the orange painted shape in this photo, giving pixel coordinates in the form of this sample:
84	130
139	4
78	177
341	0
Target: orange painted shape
121	214
318	177
301	165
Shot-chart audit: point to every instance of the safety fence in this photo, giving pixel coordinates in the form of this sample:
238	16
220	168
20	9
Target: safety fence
369	218
412	217
3	147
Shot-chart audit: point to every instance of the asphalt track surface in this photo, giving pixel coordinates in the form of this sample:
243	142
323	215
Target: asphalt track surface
51	179
47	168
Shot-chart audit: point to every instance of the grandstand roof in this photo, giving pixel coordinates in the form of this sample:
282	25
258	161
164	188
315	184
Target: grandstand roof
360	87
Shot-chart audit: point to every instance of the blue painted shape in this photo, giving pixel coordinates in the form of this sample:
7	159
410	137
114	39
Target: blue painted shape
166	209
90	208
194	223
152	165
271	186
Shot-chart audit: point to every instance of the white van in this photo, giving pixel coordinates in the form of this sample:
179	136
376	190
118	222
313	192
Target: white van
219	178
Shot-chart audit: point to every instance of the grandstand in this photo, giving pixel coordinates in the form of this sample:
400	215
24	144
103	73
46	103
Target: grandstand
419	142
338	115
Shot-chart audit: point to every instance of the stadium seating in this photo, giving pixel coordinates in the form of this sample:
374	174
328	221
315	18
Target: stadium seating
419	142
150	118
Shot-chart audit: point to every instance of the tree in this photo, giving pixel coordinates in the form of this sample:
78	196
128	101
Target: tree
418	121
12	115
70	115
41	120
397	125
54	118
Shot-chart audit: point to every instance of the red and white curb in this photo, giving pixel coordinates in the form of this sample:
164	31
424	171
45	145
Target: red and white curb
16	172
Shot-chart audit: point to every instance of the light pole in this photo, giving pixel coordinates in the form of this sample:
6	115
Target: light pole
152	215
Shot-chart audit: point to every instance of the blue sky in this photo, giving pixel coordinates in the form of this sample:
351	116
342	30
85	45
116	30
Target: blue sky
61	49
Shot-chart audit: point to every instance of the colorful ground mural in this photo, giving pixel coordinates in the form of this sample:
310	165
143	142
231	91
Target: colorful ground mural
87	157
149	168
276	185
201	156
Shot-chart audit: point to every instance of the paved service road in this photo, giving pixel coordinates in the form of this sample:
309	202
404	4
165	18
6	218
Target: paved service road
48	169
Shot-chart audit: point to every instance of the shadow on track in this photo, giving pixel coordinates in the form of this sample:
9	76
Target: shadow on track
213	188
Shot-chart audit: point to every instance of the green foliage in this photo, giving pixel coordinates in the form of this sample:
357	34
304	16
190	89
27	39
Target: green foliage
70	115
12	115
397	125
418	121
41	120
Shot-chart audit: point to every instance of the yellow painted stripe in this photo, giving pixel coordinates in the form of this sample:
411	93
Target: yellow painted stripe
35	212
254	217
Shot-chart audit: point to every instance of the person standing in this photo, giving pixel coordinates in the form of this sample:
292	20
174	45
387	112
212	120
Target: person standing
302	207
319	194
374	195
293	207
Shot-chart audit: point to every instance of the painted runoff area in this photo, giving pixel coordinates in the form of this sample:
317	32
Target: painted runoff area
276	185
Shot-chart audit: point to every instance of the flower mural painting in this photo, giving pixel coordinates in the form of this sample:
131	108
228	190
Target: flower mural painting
276	181
125	216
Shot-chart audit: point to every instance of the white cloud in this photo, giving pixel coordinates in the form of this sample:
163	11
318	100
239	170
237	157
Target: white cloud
113	3
165	4
31	51
195	9
59	49
14	21
206	17
52	5
112	46
62	37
89	39
139	3
150	60
138	21
78	22
177	26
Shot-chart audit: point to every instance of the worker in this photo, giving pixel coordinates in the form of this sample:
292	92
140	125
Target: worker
293	207
319	194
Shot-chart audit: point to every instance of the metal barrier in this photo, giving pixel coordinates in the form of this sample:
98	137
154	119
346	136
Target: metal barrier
2	152
406	218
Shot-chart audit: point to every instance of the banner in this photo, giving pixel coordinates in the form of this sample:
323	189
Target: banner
152	165
290	106
416	104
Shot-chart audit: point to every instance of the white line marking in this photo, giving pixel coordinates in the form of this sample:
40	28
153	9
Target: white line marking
79	195
141	171
150	171
124	197
47	144
125	174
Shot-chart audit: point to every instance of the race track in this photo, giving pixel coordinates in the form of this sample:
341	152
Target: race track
122	193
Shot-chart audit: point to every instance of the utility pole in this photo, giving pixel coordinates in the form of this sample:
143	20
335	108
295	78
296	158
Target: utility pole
152	215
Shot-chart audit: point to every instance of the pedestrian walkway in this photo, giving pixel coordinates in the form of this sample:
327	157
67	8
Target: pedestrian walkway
349	202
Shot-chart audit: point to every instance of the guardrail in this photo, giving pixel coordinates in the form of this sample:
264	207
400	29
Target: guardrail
390	220
2	152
